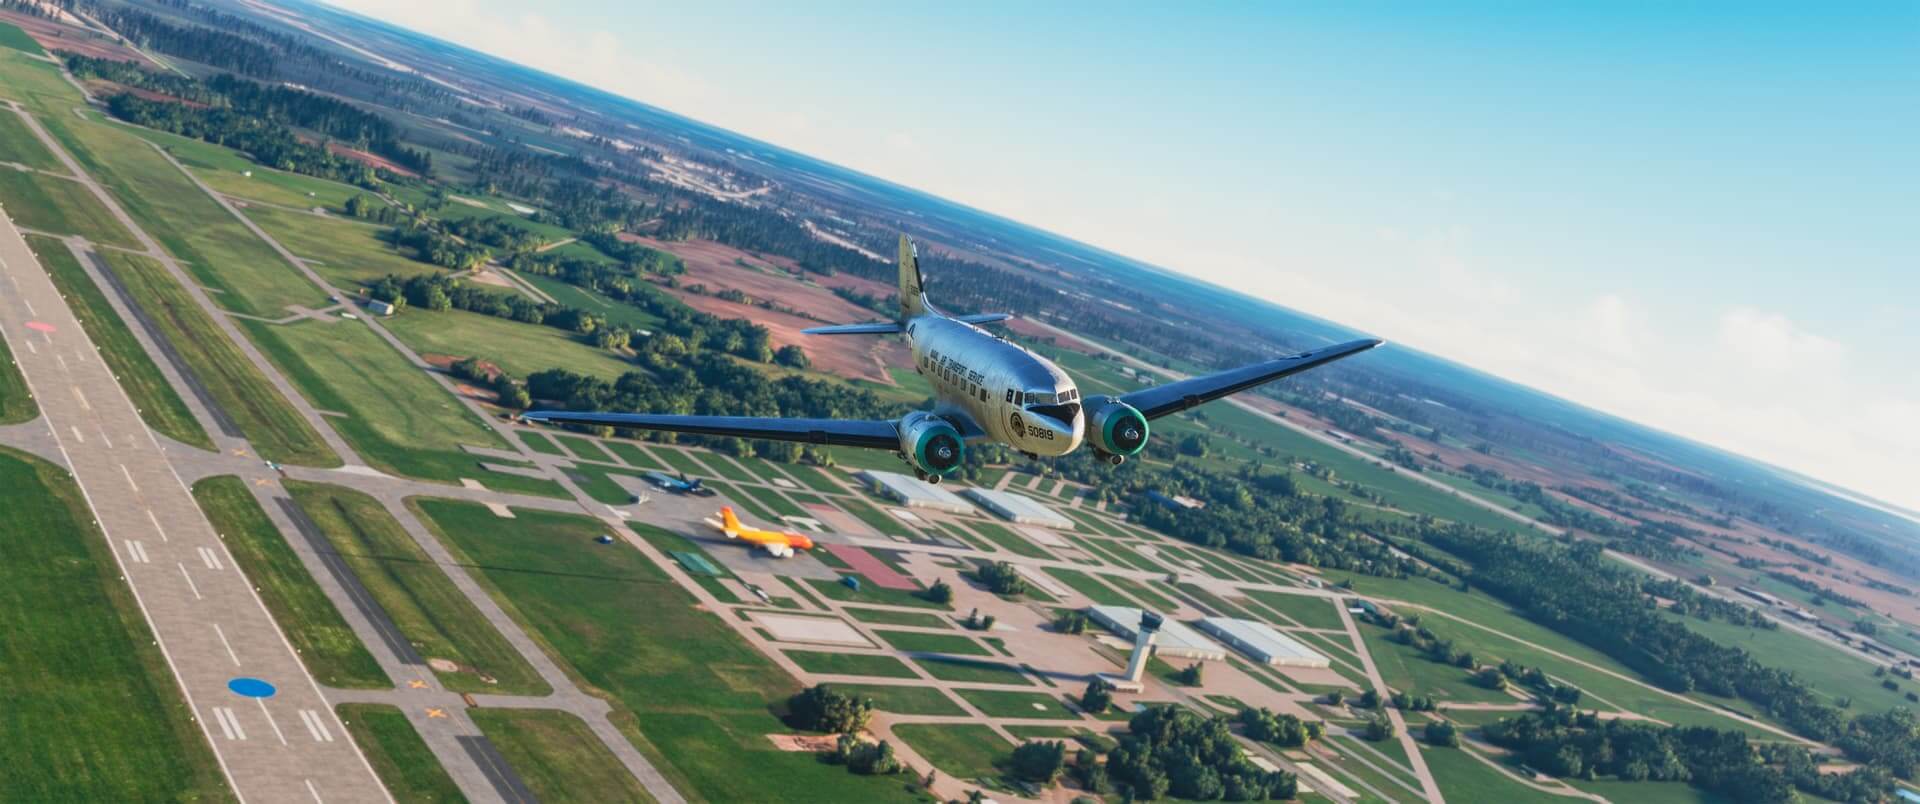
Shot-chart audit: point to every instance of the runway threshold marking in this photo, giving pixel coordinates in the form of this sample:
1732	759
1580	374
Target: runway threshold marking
315	726
137	551
229	725
211	558
190	585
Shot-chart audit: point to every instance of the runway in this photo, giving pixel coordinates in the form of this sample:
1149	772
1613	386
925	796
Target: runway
276	736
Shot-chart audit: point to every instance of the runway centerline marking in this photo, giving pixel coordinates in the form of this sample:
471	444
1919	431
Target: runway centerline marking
129	476
103	437
76	434
84	404
222	634
190	585
156	525
276	727
316	793
63	366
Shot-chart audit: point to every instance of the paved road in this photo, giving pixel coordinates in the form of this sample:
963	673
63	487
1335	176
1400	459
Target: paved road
203	611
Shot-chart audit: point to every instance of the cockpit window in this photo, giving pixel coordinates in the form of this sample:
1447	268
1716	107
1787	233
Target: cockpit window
1062	413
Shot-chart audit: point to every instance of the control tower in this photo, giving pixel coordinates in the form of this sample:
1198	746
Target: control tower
1142	650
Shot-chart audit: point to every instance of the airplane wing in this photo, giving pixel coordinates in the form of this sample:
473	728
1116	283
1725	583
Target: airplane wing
872	328
1174	397
844	432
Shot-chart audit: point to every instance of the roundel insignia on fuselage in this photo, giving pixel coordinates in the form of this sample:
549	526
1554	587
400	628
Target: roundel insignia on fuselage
1019	427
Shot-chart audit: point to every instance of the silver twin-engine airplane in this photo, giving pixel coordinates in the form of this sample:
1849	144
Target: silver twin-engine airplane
985	388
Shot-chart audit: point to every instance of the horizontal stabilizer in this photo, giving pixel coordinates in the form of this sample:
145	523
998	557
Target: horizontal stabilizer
983	318
875	328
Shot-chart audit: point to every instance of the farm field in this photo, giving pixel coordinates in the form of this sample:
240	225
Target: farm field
104	720
520	349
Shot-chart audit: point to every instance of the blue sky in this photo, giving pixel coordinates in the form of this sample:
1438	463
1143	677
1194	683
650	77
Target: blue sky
1704	217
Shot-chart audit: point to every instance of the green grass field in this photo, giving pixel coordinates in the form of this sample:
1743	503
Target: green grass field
399	757
558	756
277	432
633	454
772	500
749	507
905	699
396	416
16	402
616	312
350	255
683	463
1001	703
541	443
1408	670
850	664
585	449
874	517
328	646
36	84
160	405
61	207
224	169
703	699
1085	584
87	719
972	671
815	478
20	146
1829	671
211	243
520	349
722	466
1007	539
1144	592
891	617
1468	779
11	36
960	750
1312	612
422	602
958	644
869	593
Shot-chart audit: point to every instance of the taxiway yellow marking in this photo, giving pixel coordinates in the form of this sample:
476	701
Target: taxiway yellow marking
439	713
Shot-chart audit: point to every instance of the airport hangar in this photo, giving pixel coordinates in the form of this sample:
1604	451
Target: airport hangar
914	493
1015	508
1261	643
1175	639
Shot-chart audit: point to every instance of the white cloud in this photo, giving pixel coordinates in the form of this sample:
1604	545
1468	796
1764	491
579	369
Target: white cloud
1770	342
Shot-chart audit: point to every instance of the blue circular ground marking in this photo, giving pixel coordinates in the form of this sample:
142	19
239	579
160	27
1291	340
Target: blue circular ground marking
251	687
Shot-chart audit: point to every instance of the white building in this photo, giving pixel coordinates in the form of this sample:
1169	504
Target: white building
1261	643
1016	508
913	492
1175	640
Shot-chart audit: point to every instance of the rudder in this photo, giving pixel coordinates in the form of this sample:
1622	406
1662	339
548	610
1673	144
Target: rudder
913	299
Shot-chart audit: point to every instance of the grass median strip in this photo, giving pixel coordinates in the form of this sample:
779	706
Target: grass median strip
399	757
160	406
921	642
413	591
16	402
276	430
59	206
326	644
558	756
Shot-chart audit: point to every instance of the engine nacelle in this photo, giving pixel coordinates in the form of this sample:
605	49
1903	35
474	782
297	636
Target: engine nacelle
931	444
1115	428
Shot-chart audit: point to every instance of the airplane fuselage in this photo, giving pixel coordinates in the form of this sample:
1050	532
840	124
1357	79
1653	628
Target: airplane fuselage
1017	397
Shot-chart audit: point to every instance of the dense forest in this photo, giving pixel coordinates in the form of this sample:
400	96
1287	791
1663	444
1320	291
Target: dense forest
1171	751
1567	744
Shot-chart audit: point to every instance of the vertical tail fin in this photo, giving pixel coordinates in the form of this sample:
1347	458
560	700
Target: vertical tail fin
727	518
913	300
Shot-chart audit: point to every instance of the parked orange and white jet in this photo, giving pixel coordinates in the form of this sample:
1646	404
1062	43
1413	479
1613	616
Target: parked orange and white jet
777	543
